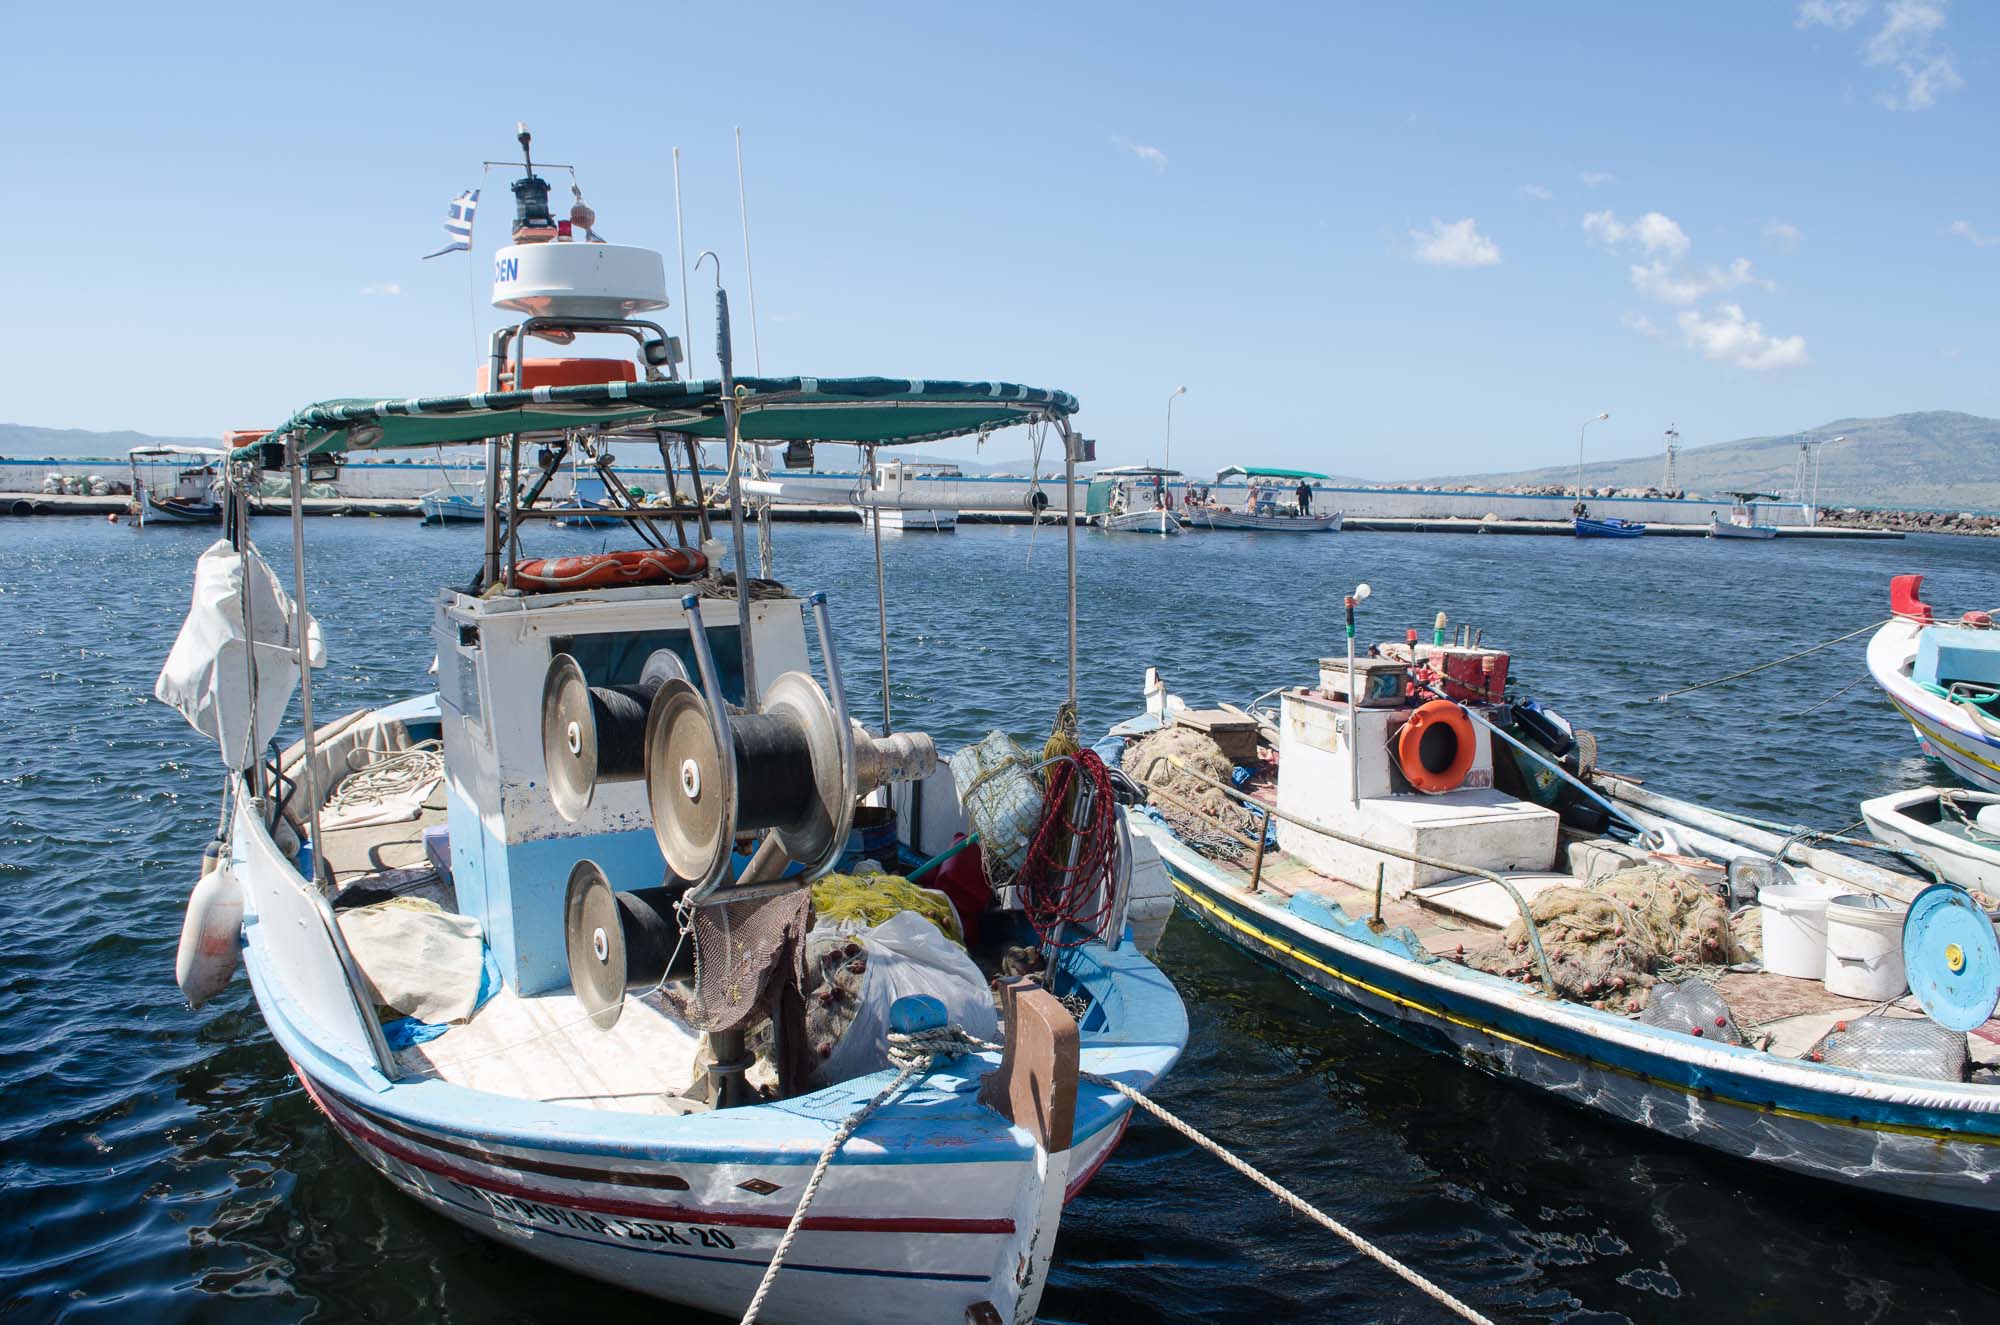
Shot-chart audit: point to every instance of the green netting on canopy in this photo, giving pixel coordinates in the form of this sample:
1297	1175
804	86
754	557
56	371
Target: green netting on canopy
1260	471
885	411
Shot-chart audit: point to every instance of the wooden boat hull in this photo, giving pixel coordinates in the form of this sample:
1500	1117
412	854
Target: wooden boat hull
183	510
1276	524
1937	1142
897	520
450	508
936	1204
1608	529
1161	523
1910	819
1944	730
1724	529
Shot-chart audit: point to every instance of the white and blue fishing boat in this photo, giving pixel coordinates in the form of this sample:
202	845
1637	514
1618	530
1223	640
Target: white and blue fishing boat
1742	521
545	947
1407	839
176	484
1944	678
1134	499
1584	526
1269	506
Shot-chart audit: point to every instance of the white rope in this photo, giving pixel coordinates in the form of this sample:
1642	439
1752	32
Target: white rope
392	774
915	1053
1292	1199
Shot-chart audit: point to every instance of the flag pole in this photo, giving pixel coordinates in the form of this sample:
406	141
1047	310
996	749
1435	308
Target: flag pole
680	239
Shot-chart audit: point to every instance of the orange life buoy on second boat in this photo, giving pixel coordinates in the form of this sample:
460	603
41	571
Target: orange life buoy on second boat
609	570
1436	747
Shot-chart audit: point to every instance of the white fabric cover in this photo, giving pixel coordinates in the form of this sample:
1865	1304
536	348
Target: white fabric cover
207	674
420	960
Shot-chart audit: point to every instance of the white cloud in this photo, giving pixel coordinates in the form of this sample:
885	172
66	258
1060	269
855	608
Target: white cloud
1458	244
1784	232
1730	337
1686	285
1595	177
1640	323
1840	15
382	287
1152	156
1908	43
1537	192
1964	230
1653	232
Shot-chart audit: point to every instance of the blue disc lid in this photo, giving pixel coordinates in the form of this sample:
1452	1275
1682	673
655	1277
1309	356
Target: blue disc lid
1952	957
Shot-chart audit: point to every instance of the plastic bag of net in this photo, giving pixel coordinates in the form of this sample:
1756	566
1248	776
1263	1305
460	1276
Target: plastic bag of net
861	975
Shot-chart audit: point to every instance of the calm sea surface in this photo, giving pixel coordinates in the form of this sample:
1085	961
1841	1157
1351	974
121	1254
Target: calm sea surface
160	1164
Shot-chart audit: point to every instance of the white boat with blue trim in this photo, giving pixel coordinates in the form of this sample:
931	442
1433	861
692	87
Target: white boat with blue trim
549	948
1134	499
1944	678
1411	842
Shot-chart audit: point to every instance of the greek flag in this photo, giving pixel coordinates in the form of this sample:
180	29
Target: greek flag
458	224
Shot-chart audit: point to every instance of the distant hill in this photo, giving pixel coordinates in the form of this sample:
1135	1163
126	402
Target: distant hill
18	441
1938	459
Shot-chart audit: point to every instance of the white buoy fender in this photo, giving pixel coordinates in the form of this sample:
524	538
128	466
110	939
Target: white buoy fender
211	932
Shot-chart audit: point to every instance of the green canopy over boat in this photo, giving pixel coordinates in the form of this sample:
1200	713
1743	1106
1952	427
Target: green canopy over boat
885	411
1261	471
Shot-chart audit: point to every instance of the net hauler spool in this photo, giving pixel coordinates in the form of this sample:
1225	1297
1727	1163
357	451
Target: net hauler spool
593	734
619	942
796	767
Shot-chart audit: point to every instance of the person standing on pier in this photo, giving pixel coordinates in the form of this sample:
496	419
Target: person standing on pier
1305	498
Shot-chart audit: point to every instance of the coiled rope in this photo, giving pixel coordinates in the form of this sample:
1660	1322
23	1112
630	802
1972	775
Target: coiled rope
392	774
918	1051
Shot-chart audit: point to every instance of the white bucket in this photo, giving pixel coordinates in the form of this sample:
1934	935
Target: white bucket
1864	948
1795	928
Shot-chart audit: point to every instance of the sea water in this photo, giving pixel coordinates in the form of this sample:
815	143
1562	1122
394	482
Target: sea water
161	1164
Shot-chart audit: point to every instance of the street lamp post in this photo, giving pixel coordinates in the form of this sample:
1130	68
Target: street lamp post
1168	462
1598	417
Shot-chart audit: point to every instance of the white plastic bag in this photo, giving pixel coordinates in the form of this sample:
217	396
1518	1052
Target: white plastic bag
907	954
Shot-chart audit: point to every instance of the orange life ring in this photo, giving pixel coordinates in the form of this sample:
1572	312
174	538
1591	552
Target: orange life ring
609	570
1436	746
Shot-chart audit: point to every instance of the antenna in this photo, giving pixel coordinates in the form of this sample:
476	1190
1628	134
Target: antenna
680	240
749	277
1673	452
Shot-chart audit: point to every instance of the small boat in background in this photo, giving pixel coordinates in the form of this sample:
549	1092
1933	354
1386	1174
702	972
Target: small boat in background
1944	678
1585	527
1263	511
1742	521
1134	499
1959	830
892	487
442	506
177	484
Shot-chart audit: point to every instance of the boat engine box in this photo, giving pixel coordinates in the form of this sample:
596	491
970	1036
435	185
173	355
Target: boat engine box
1468	675
1234	733
1378	682
1473	826
1957	653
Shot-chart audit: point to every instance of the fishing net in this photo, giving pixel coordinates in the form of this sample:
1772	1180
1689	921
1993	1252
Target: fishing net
1605	942
749	966
847	902
1895	1046
1200	815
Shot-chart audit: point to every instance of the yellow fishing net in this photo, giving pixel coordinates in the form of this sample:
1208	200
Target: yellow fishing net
870	899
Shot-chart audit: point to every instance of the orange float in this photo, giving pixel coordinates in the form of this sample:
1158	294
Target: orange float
1436	747
609	570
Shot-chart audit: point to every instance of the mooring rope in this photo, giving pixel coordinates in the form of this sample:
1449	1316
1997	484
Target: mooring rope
917	1052
1761	667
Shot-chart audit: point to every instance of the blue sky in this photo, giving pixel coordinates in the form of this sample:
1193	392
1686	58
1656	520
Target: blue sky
1383	240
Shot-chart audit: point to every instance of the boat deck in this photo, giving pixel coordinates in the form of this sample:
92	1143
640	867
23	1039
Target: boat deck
1793	1013
543	1048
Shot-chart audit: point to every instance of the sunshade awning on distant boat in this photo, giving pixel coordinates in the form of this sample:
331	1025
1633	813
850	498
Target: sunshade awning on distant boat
1259	471
883	411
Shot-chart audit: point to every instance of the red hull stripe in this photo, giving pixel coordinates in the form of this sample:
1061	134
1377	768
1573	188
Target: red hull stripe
338	1114
471	1150
1079	1183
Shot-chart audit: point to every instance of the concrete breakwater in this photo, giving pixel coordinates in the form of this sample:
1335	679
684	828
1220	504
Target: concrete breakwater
1912	522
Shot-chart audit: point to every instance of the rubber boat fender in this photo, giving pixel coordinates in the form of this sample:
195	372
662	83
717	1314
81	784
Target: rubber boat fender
1436	746
211	932
609	570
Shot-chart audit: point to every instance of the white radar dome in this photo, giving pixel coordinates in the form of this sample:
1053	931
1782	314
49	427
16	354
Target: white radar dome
578	280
